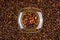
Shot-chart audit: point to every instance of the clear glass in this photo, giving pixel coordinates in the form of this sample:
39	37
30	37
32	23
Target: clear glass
30	20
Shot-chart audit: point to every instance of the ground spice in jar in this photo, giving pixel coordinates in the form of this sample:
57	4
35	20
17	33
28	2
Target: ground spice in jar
30	20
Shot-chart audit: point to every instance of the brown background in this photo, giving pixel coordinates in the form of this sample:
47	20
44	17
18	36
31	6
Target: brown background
9	10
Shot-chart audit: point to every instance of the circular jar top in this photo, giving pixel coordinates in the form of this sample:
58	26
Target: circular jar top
30	19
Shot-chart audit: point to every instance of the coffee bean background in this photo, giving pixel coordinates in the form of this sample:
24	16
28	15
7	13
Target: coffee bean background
10	30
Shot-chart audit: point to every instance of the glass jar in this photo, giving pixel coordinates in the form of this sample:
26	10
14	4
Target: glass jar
30	19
